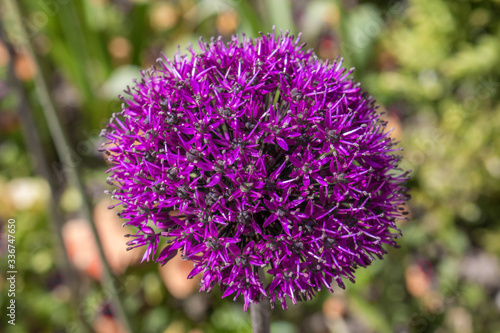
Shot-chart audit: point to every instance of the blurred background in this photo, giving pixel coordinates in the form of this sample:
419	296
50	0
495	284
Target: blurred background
433	65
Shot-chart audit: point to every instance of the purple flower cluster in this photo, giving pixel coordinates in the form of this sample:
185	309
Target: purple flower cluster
276	163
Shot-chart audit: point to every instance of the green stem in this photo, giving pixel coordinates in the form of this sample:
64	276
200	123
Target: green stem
277	95
260	313
34	146
71	168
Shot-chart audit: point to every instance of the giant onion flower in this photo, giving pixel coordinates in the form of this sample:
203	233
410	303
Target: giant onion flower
266	167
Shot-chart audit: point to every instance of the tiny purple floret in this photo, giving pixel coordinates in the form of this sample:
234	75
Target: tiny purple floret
254	155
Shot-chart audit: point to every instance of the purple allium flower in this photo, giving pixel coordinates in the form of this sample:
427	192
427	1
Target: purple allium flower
276	162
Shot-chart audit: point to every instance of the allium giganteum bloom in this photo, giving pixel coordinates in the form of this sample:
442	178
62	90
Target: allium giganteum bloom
275	161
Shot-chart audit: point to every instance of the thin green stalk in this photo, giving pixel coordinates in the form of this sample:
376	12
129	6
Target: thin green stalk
34	146
75	41
64	152
260	313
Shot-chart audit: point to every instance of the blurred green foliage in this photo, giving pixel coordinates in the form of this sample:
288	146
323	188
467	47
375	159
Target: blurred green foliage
433	65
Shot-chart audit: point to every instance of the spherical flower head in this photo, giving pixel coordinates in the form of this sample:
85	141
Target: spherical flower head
266	167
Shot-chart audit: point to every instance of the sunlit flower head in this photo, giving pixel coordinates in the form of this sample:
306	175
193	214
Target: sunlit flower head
256	159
